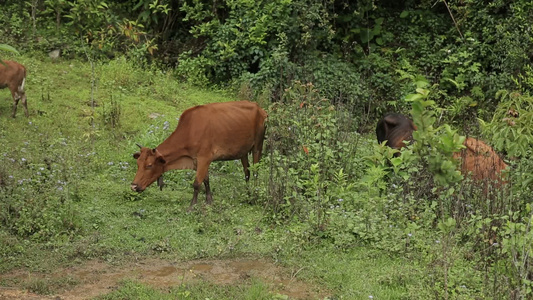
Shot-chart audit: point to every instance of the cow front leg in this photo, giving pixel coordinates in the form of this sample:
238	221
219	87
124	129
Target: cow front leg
201	173
208	195
194	196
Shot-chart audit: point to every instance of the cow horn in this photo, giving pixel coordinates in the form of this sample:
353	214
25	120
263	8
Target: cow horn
139	145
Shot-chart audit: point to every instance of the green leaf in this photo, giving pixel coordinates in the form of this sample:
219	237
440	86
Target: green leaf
8	48
413	97
452	81
396	161
404	14
366	35
422	91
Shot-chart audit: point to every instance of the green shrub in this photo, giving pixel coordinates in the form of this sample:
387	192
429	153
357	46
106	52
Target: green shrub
39	206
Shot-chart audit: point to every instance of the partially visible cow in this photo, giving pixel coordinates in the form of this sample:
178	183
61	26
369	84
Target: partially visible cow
13	76
478	159
205	133
481	162
395	129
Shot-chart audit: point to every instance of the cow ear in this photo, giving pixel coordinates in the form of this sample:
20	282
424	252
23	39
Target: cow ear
158	156
391	120
136	155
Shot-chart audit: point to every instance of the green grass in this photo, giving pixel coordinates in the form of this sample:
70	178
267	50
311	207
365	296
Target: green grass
253	290
66	175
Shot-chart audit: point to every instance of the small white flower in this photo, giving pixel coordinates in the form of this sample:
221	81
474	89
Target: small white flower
409	234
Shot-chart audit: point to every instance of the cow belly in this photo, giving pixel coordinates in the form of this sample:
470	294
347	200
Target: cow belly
230	154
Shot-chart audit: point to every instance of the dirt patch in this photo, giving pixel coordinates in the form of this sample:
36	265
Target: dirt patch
96	278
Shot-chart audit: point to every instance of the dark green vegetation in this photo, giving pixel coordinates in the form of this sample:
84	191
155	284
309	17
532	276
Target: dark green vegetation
329	202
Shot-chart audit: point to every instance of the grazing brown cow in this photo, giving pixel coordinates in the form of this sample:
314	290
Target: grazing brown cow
13	76
205	133
478	158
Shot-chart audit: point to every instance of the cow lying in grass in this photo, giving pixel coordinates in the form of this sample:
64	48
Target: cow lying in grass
13	76
205	133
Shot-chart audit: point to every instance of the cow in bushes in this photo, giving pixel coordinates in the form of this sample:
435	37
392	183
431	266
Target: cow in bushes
13	76
481	161
205	133
477	158
395	129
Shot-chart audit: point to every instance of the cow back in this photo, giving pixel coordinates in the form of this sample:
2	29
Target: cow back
480	161
224	131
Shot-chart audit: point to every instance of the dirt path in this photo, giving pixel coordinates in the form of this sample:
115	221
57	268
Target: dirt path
97	278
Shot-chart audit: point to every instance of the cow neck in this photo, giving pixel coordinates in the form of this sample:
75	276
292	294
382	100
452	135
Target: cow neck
172	151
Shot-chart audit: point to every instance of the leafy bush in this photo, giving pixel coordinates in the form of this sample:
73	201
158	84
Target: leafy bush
307	150
39	206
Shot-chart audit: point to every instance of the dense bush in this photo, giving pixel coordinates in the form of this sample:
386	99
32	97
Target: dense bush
37	194
350	51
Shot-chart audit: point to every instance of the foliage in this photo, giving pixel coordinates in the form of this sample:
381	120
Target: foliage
306	150
327	70
510	127
40	204
5	47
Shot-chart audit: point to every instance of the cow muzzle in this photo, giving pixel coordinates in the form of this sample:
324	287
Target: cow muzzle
136	188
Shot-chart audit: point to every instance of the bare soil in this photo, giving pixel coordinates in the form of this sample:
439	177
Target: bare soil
94	278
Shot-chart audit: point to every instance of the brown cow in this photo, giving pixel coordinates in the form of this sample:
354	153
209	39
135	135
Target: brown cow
205	133
395	128
478	158
13	76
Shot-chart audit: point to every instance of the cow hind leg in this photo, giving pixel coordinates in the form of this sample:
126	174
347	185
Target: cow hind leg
16	99
245	166
25	104
258	147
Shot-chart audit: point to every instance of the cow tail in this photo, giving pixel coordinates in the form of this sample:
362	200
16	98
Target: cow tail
21	86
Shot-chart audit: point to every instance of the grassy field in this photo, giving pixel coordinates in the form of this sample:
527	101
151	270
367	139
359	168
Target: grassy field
67	205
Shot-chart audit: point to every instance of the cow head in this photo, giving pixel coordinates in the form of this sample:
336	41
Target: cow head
395	128
150	167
